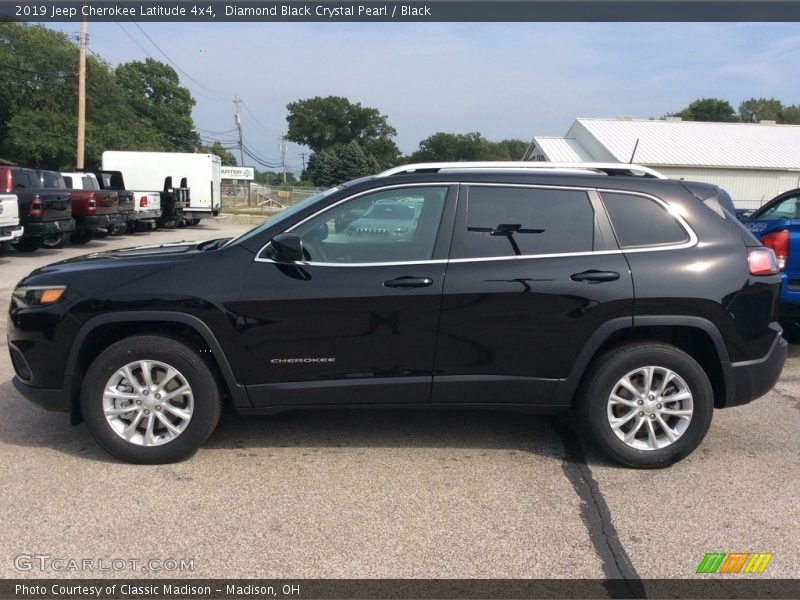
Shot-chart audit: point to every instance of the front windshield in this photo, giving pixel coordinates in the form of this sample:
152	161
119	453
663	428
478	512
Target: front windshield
281	216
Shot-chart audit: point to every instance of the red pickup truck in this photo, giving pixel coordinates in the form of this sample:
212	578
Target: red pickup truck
96	211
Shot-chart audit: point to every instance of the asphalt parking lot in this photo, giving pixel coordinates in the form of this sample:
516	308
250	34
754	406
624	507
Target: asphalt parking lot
394	494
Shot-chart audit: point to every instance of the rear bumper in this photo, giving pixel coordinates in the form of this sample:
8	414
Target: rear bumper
10	232
40	228
790	297
147	215
752	379
98	221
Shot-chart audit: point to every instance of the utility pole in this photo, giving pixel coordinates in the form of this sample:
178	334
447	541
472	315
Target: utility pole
303	156
79	154
284	148
238	119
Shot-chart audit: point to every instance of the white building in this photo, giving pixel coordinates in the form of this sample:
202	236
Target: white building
753	162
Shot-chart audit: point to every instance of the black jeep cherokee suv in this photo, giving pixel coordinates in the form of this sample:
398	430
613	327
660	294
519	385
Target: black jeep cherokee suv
639	301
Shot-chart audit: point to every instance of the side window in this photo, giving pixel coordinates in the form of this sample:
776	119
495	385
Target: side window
514	221
788	208
639	221
396	225
68	181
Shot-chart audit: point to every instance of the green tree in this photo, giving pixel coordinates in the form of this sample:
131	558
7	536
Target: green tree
334	165
38	103
760	109
513	149
466	146
157	97
791	115
708	109
228	159
330	122
274	178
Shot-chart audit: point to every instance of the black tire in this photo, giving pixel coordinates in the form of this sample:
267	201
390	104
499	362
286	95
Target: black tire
190	366
601	380
4	246
791	330
55	241
168	222
193	222
132	227
81	236
119	229
27	244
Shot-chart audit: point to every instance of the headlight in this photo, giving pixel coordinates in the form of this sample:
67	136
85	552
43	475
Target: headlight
38	295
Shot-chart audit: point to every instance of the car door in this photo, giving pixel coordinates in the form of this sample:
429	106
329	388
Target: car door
534	271
356	321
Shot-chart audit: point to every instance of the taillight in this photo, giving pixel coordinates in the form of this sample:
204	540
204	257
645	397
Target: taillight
762	261
143	202
36	209
92	207
779	242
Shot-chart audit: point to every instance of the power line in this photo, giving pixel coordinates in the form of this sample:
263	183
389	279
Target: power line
221	97
258	123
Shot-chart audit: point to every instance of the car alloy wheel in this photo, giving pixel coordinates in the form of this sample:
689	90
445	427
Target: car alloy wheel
650	408
150	399
646	404
148	403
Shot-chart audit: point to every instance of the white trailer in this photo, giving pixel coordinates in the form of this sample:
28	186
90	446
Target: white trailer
148	170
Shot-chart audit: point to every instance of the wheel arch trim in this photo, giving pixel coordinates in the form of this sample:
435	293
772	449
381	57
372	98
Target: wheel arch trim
569	386
237	391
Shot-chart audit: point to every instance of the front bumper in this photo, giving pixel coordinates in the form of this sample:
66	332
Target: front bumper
751	379
55	400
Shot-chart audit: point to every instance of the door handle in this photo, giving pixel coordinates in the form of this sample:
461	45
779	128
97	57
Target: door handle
409	282
593	276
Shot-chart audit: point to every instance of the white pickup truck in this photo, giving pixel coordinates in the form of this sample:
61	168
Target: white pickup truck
10	228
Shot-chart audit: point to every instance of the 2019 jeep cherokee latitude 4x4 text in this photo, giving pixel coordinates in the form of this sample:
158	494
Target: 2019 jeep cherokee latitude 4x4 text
639	301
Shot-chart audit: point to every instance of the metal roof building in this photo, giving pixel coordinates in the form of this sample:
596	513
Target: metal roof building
754	162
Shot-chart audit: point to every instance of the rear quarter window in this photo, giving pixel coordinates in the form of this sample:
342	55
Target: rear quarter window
639	221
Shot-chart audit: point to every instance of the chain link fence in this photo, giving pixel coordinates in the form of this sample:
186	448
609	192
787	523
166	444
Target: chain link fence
262	199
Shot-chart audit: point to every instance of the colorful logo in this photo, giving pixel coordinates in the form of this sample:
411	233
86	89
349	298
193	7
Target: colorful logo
735	562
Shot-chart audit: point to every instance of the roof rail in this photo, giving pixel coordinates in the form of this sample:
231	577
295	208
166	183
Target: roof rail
599	167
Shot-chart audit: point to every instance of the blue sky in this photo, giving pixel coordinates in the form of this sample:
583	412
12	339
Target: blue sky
505	80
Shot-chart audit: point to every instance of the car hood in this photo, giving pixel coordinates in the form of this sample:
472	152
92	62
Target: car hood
140	256
135	252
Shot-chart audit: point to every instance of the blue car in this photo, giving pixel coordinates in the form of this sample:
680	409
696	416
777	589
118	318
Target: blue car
777	225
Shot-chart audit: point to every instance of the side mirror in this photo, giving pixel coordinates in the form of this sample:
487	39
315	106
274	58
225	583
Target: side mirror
287	247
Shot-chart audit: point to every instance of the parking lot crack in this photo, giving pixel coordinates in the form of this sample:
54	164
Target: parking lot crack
622	580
